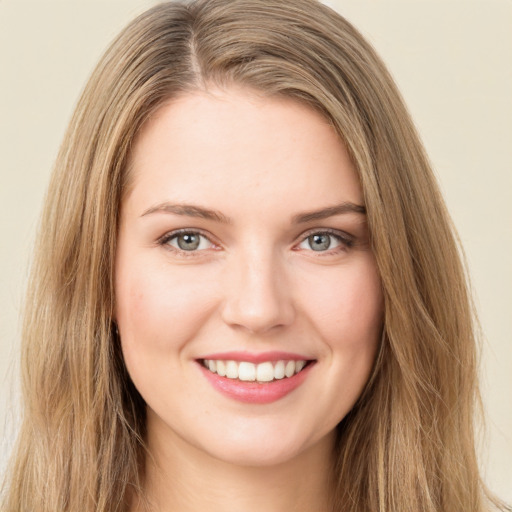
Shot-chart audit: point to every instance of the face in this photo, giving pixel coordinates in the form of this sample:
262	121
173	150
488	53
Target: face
247	297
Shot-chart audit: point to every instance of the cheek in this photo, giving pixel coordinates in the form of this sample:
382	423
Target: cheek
347	307
158	311
157	307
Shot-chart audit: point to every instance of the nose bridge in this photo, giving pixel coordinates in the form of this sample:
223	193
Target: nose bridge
257	297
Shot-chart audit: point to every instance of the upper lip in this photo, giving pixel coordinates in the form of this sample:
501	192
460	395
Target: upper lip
252	357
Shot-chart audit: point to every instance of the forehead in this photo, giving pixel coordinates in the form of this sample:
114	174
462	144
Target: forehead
236	148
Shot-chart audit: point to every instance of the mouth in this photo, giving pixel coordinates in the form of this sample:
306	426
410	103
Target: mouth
246	371
256	379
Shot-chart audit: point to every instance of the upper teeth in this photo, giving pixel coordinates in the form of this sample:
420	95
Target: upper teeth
262	372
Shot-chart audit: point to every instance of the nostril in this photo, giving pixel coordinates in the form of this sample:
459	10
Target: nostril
255	317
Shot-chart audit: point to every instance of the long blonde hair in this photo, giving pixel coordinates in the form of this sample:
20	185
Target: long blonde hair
408	444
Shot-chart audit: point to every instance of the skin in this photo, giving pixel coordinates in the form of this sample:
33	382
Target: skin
254	284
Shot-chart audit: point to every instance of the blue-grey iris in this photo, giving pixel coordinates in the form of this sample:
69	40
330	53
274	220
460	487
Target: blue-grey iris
188	241
319	242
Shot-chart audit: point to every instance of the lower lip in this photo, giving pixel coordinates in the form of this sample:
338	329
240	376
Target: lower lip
256	392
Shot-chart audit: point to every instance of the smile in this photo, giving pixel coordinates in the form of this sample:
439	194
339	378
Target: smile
255	378
246	371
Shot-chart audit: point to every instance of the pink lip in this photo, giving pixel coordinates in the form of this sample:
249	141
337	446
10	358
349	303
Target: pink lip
257	358
255	392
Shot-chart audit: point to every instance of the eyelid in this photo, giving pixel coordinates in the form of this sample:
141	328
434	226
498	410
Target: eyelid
346	240
164	240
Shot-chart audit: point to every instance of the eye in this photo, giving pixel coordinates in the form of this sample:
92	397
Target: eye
188	241
323	241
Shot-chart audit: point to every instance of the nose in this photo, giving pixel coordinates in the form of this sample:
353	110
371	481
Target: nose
258	298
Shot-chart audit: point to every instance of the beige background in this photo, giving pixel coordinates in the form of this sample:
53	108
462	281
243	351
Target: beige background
452	60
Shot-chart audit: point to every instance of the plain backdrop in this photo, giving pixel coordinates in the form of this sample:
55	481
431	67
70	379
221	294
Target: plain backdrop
452	60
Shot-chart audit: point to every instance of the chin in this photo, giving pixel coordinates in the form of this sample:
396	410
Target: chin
264	448
257	456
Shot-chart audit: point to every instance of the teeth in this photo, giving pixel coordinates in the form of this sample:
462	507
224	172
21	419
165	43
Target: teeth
264	372
290	368
250	372
221	368
232	370
246	371
299	365
279	370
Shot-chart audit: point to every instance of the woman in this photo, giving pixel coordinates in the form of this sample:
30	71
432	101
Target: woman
239	296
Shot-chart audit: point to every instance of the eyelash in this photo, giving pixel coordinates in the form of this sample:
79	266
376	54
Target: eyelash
346	241
164	241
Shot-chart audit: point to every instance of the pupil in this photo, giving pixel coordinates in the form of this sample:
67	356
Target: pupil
320	242
188	242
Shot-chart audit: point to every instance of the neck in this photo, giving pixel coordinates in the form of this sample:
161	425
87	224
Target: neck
182	478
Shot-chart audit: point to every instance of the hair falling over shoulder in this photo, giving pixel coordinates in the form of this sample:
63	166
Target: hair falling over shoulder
409	443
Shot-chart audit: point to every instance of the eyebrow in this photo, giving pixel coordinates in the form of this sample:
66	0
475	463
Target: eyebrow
324	213
190	210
